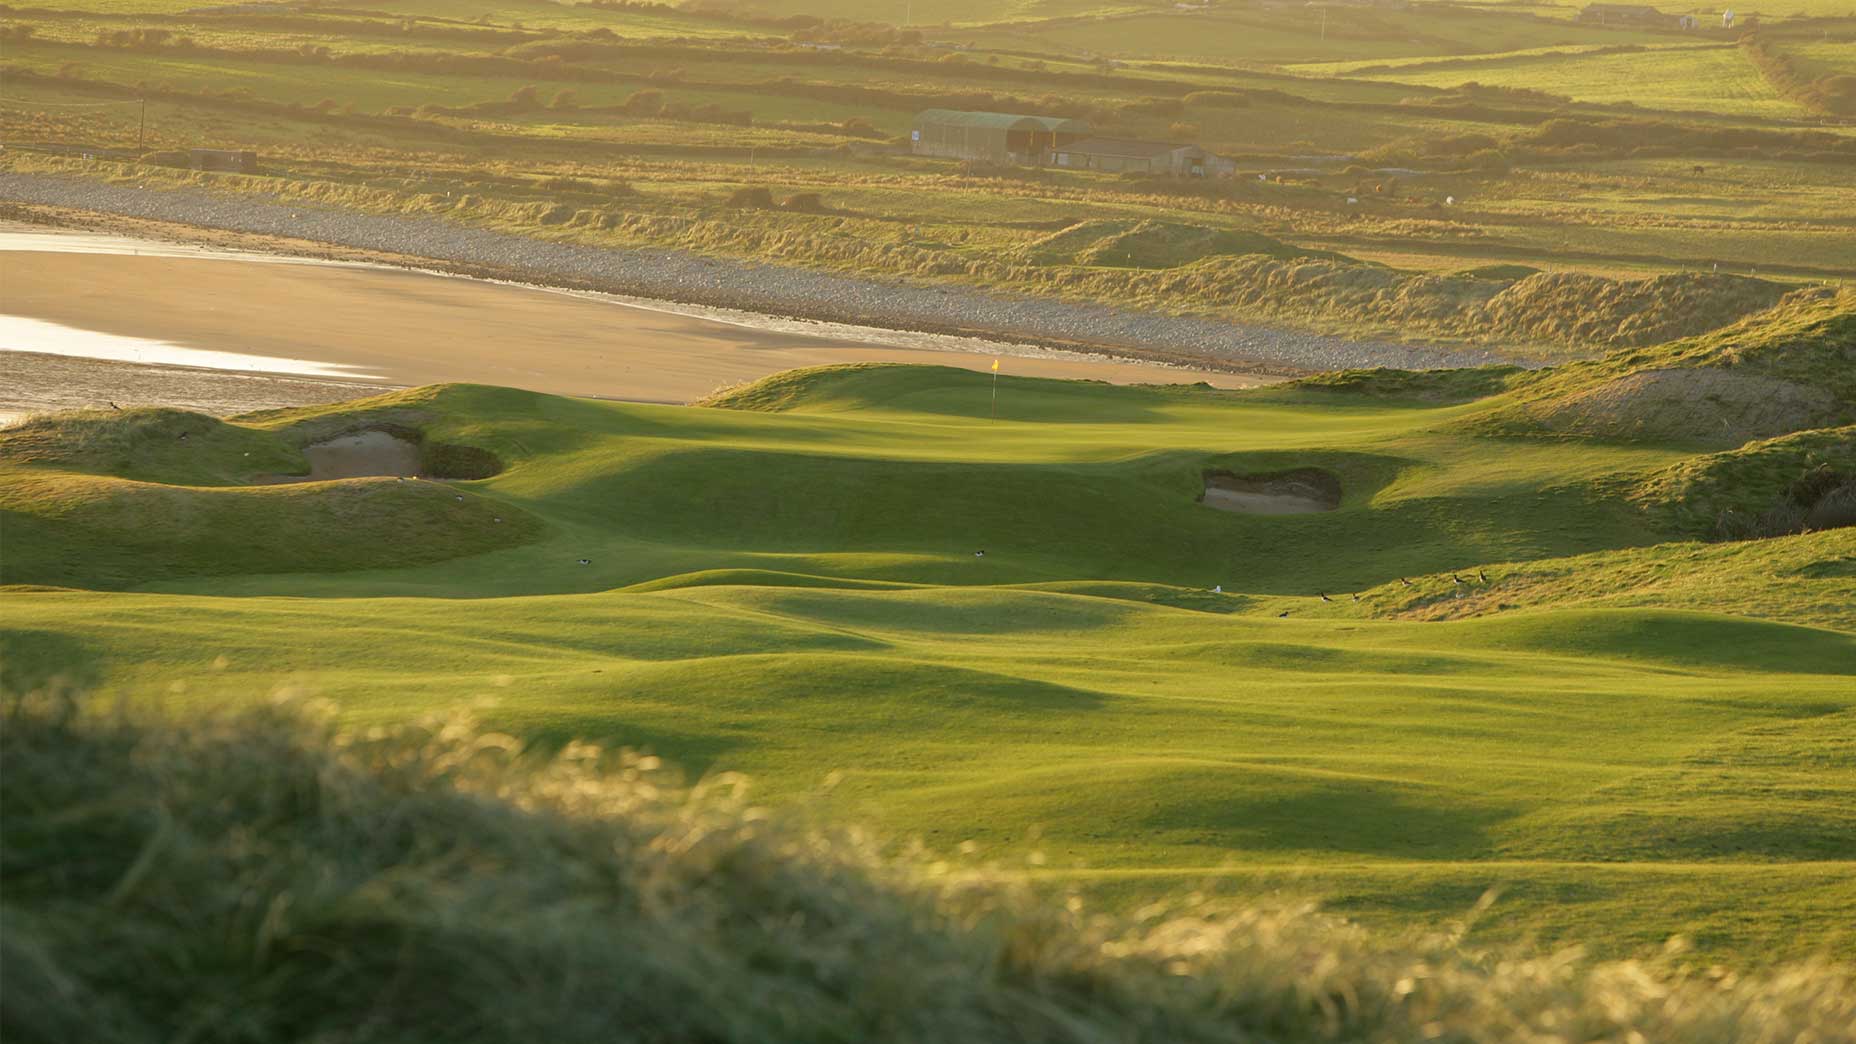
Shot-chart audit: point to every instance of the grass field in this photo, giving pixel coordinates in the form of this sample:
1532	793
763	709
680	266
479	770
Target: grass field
1713	79
1618	153
1648	741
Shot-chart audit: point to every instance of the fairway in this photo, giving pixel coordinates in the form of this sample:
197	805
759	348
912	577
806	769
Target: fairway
790	583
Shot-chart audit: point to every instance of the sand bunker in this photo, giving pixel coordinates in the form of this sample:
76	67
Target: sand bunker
361	455
1299	492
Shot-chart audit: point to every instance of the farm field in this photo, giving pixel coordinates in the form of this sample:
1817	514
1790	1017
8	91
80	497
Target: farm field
1712	79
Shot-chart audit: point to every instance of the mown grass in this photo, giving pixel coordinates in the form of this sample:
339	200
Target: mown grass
790	587
258	875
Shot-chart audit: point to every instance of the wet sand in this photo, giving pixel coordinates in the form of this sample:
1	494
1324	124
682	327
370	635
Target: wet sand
397	327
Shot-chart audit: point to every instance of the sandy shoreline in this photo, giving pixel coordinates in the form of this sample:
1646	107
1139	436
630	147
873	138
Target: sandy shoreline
392	327
686	278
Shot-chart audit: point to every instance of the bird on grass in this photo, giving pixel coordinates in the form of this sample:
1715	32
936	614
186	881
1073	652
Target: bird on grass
1282	615
498	518
979	554
113	406
460	498
1404	581
1482	576
586	561
1325	598
1356	596
1456	578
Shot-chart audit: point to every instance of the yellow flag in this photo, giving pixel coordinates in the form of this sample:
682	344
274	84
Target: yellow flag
995	365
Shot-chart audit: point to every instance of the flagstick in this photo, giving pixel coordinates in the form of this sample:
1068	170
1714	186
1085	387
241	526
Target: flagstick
995	395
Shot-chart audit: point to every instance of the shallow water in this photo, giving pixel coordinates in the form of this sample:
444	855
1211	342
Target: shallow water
19	334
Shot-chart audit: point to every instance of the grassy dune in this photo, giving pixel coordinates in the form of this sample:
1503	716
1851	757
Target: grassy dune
1647	740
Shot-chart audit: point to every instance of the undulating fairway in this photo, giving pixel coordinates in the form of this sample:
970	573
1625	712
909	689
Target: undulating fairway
1026	631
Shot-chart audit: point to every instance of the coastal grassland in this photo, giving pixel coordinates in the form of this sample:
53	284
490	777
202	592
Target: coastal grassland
617	127
786	583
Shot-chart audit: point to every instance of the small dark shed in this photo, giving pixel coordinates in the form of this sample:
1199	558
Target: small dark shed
238	161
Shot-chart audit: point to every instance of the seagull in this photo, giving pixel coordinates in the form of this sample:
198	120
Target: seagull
498	518
1325	598
1217	589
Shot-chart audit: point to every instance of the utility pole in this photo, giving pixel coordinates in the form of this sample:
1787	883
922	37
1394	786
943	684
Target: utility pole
141	125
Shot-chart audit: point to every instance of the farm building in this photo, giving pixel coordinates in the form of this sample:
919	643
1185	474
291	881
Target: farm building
1622	14
1120	154
994	137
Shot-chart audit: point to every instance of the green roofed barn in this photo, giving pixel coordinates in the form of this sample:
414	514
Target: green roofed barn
994	137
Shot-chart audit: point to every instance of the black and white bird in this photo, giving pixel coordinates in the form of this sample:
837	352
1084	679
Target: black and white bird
460	498
113	406
979	554
1456	578
1482	576
586	561
1404	581
1282	614
498	518
1356	596
1325	598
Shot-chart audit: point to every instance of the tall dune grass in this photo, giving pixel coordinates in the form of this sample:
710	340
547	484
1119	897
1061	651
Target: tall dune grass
259	876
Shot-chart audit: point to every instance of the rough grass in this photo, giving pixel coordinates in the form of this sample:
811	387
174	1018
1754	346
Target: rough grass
1791	368
258	876
1808	579
114	498
1800	469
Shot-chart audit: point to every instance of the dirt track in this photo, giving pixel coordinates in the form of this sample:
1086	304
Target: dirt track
408	328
